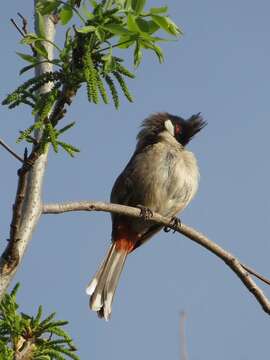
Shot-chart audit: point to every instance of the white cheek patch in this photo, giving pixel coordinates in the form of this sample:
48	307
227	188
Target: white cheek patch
169	126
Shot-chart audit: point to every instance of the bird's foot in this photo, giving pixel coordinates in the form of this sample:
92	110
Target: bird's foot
175	223
146	213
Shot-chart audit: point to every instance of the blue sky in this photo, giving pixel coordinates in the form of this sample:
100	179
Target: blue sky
221	69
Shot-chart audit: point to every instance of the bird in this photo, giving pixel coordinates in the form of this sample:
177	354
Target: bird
162	176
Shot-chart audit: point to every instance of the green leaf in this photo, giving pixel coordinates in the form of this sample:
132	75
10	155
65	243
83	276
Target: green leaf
153	39
108	61
30	38
138	5
65	128
86	12
123	86
86	29
90	72
153	27
113	91
115	29
126	41
128	5
25	134
137	54
40	49
167	24
47	7
149	45
68	39
53	136
131	23
15	290
29	67
159	10
100	34
26	57
66	14
143	25
93	3
26	68
122	70
159	53
41	25
70	149
102	89
38	316
175	30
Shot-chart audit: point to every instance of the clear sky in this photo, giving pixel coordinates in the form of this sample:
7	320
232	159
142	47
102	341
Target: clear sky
220	68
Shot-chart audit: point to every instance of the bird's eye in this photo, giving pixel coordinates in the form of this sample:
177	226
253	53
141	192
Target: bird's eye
177	129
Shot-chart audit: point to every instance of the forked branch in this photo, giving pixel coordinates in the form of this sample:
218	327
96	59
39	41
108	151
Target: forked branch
242	271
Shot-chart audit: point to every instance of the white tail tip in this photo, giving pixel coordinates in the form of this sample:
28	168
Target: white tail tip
97	303
91	287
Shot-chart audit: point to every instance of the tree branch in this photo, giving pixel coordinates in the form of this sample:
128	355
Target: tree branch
242	271
28	205
5	146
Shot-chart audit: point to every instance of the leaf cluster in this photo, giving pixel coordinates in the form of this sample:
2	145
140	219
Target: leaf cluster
87	57
30	337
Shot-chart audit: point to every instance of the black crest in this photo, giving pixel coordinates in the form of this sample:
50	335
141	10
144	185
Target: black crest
154	125
189	128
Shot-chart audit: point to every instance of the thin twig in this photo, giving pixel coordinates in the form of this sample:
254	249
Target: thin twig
192	234
17	27
255	273
24	23
18	157
24	31
183	341
115	45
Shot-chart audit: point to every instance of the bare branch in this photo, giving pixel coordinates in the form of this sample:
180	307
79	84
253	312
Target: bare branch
24	30
2	143
28	204
256	274
24	349
242	271
24	23
183	341
17	27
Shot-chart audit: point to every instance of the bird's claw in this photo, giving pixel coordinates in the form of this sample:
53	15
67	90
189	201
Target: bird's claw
175	223
146	213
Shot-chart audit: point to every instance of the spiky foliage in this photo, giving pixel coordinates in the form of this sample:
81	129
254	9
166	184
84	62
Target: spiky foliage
90	74
113	90
86	57
27	90
31	337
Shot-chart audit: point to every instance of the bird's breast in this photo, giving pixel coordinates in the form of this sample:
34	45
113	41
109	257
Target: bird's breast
171	179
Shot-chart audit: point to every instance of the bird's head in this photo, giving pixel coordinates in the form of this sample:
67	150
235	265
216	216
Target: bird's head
174	126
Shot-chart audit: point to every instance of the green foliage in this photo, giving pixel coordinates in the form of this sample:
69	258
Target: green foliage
123	85
113	90
87	57
90	77
30	337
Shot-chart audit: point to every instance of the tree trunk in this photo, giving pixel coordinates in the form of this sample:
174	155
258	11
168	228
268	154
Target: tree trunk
32	202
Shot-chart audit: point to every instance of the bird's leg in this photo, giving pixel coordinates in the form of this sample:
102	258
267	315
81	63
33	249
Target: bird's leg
174	223
146	213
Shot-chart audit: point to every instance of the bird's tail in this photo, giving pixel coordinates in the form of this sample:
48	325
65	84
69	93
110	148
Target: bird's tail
102	287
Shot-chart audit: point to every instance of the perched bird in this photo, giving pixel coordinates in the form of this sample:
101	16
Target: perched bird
161	176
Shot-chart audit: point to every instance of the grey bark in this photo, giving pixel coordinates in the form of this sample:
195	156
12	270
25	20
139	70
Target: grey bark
32	203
